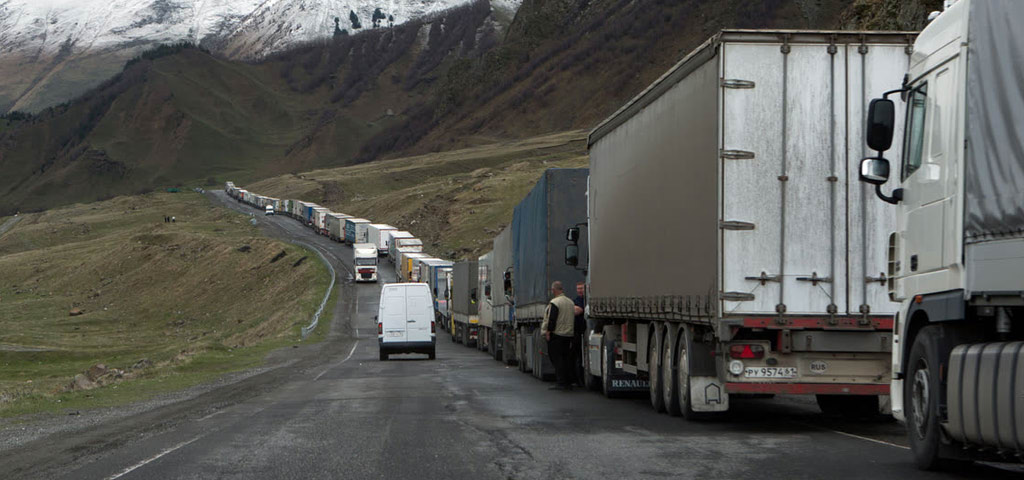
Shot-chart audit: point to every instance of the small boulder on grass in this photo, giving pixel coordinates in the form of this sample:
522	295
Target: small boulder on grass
75	312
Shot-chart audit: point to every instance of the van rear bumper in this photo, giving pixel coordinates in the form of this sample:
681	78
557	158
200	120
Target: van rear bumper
407	347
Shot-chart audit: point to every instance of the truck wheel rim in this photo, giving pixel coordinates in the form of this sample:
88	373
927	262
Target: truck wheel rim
919	399
682	380
666	370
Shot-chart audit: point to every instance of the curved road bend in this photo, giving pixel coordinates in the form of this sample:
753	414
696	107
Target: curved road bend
338	412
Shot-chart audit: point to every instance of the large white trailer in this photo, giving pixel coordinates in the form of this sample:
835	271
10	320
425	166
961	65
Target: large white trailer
767	272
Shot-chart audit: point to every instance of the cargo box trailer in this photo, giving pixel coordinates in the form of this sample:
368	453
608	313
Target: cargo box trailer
377	235
307	212
408	272
434	272
392	236
485	310
501	293
336	226
356	230
465	317
404	244
767	272
556	203
319	220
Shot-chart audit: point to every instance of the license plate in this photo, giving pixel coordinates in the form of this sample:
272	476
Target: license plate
770	372
395	334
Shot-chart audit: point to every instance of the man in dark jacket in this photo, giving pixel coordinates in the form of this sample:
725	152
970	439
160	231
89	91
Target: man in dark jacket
579	328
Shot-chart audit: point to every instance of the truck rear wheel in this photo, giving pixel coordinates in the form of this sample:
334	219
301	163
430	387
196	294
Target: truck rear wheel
921	397
521	350
654	368
683	378
669	385
383	356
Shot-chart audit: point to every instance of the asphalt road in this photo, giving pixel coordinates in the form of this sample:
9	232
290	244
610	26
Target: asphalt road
335	411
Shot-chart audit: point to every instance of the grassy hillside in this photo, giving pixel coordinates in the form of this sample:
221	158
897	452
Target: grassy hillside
455	201
166	304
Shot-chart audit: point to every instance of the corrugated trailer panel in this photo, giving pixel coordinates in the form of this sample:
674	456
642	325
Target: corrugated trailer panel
465	278
484	278
556	203
656	182
745	162
502	262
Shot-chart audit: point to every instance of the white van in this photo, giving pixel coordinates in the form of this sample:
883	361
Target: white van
269	210
405	320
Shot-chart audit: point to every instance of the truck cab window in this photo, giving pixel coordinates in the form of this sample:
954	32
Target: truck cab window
914	138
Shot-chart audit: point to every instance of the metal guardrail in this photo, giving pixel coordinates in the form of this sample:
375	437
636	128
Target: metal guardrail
323	303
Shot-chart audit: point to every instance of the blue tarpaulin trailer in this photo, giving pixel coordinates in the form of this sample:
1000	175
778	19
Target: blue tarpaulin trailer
556	203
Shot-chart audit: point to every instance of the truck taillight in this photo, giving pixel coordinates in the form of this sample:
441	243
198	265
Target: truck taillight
433	327
746	351
380	329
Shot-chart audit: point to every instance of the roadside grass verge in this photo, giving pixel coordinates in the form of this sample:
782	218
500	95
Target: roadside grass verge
161	305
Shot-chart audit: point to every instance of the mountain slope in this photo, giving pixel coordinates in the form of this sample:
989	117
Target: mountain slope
459	78
54	50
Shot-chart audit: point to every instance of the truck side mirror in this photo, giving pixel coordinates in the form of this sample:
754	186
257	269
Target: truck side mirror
472	295
572	255
573	234
874	171
487	291
881	119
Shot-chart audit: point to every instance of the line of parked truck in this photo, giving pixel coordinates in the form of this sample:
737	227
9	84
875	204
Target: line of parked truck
730	244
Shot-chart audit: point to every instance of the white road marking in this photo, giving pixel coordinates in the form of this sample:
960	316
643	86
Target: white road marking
339	363
218	412
883	442
150	459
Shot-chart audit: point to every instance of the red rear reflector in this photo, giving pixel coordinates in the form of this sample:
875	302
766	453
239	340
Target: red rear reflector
746	351
380	329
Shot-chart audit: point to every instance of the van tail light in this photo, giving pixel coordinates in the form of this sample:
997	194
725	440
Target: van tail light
746	351
380	328
433	327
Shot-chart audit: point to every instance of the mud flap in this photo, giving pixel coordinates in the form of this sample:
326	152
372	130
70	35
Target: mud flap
708	394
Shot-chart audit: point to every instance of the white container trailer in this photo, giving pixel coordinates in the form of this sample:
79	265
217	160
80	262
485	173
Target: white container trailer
336	226
377	233
767	275
320	220
392	236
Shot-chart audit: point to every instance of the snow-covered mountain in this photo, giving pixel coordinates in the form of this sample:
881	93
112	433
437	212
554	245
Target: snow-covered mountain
41	38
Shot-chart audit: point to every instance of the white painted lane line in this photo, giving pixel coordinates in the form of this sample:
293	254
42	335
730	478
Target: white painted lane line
151	459
875	440
339	363
218	412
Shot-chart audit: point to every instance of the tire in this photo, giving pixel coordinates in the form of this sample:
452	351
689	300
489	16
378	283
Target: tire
432	355
654	368
921	394
383	356
683	378
606	366
669	385
521	350
849	406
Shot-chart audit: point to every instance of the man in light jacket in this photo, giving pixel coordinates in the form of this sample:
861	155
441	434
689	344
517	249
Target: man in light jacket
558	330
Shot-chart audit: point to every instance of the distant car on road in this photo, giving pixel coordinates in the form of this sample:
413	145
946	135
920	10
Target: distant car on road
270	210
405	320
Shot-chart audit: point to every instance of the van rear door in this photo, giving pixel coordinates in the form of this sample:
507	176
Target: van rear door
419	313
393	314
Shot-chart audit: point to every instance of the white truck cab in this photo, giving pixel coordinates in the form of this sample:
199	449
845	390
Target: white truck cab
364	261
269	210
956	259
405	320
